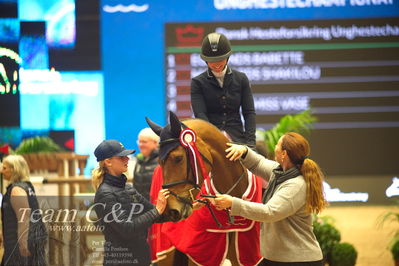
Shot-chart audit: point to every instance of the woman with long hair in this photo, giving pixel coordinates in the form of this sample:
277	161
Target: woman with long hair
24	234
295	191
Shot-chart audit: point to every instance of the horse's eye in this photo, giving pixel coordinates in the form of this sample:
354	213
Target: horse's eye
178	159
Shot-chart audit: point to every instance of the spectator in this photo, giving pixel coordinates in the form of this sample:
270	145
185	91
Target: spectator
146	162
24	235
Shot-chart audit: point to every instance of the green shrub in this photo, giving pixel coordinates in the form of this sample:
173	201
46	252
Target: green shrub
301	123
391	217
37	144
395	249
327	236
343	254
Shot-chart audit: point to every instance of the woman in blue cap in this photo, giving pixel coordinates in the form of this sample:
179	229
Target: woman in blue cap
124	214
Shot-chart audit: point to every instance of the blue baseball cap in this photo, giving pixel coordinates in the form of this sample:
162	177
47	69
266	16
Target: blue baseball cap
110	148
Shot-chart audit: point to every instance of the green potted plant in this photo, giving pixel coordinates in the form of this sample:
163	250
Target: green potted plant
37	144
301	123
395	251
39	153
343	254
327	235
391	216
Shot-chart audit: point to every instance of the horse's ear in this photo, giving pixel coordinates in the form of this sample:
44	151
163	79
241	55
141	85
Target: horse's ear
175	124
156	128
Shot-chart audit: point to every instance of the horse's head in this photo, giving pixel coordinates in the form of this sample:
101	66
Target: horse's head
177	172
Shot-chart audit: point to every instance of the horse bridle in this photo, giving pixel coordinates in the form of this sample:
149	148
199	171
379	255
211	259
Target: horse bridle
196	187
184	181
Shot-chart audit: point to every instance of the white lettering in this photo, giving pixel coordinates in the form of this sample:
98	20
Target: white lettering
67	212
273	4
306	32
264	66
335	195
370	2
89	210
50	82
49	215
134	211
115	208
291	73
281	103
245	4
237	34
23	214
38	213
354	31
393	189
267	58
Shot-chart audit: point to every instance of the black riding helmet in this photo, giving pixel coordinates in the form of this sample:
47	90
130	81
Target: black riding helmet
215	47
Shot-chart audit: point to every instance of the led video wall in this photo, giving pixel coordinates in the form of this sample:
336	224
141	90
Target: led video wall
50	73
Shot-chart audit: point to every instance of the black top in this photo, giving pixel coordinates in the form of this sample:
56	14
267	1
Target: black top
221	106
143	171
37	233
126	216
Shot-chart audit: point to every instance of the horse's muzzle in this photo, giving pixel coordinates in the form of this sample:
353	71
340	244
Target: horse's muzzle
176	215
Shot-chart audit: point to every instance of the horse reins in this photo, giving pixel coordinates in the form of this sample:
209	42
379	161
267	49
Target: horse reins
208	205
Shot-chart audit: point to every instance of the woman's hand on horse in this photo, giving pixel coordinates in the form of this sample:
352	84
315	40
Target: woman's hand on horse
235	151
162	200
222	202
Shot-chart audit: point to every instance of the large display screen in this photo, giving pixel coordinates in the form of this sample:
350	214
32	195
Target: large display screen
50	73
346	71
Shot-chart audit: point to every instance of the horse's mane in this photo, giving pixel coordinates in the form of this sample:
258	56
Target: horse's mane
207	131
216	141
198	122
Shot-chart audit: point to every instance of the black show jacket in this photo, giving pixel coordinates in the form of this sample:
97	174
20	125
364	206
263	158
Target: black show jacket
221	106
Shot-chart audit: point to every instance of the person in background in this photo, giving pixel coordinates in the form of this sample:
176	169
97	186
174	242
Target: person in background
218	94
146	162
23	235
295	191
124	214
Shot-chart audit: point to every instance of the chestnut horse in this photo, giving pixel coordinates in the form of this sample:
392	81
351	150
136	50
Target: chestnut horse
225	177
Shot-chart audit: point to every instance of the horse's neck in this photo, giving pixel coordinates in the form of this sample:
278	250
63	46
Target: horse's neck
226	174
